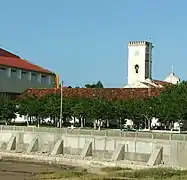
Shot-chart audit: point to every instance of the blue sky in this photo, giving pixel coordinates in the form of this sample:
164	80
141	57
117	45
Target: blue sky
86	40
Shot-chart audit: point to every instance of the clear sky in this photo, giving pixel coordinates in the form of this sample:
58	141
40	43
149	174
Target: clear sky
86	40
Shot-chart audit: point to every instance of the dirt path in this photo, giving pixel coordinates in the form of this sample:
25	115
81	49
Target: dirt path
11	170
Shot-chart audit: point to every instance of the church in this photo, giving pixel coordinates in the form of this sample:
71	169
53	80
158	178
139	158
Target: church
140	67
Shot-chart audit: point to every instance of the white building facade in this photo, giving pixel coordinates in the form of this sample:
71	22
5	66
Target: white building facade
140	67
139	61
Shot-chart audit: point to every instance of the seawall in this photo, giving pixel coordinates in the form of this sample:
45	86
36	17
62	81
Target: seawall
113	150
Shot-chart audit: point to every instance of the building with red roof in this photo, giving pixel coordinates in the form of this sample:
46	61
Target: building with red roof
17	75
140	81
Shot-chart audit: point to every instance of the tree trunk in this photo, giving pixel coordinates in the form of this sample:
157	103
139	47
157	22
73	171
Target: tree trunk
171	126
95	125
82	125
84	122
30	119
99	128
73	120
120	126
27	120
107	123
38	119
145	124
149	124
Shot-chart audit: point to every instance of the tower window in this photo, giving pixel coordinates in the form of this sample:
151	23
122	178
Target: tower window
136	68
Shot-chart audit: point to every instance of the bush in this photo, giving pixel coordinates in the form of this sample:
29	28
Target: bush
114	169
154	173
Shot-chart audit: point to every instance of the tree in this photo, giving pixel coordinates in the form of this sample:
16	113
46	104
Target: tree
169	107
99	110
52	107
146	110
82	110
119	112
173	102
32	107
7	110
97	85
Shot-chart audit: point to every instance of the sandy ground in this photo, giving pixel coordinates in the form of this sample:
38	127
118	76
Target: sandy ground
12	170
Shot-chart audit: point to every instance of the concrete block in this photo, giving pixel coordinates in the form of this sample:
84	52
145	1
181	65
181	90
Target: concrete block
119	153
11	144
58	148
156	157
87	150
33	146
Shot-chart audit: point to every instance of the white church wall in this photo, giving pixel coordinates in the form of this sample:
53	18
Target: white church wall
139	61
172	79
136	84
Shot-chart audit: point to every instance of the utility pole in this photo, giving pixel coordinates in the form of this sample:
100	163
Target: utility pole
61	103
150	77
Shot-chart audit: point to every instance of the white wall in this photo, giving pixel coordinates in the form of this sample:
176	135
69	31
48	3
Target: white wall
137	55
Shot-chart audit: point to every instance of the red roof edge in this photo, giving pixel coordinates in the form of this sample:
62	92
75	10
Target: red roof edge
5	53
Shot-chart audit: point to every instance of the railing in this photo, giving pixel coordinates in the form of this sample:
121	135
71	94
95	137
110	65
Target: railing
107	133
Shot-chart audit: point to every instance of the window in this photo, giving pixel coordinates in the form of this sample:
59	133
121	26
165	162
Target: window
33	77
136	68
44	79
2	70
13	73
24	75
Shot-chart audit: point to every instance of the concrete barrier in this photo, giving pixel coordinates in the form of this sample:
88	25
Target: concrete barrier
119	153
87	150
156	157
103	148
11	144
58	148
33	147
109	133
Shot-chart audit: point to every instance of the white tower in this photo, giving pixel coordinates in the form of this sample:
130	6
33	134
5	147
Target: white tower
139	61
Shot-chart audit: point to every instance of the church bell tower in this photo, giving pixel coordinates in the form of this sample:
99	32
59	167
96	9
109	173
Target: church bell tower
139	61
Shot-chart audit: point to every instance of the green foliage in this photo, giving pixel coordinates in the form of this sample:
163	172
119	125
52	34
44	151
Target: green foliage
170	106
97	85
114	169
118	173
153	173
7	109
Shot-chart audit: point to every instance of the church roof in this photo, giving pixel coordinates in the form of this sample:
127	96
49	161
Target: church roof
162	83
172	78
148	83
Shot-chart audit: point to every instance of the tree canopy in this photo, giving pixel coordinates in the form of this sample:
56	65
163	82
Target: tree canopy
169	107
95	85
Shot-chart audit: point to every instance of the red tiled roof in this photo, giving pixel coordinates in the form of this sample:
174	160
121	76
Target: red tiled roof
22	64
7	54
149	85
162	83
106	93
